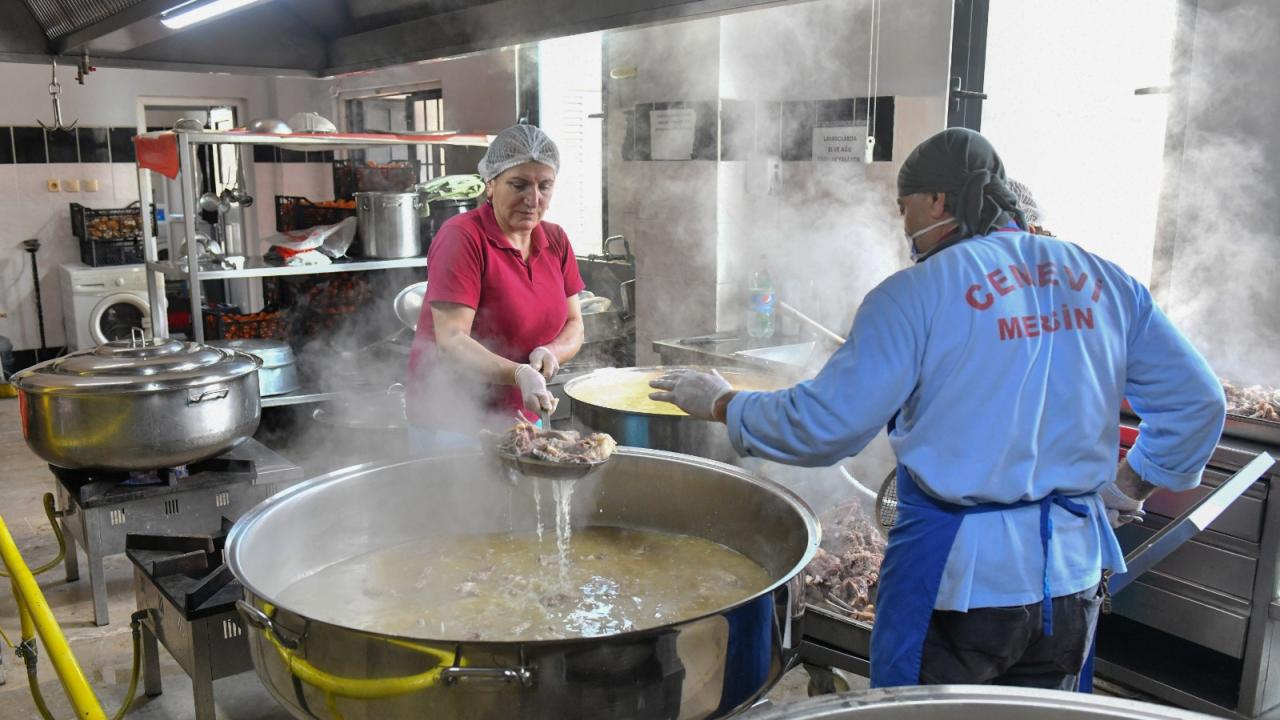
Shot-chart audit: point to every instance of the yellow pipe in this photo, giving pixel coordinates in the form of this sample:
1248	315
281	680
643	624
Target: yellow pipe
35	614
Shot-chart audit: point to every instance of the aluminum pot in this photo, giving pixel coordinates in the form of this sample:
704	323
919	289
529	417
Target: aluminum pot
970	702
139	404
279	372
702	667
676	433
388	224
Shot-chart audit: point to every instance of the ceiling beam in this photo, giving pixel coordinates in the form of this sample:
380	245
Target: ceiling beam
510	22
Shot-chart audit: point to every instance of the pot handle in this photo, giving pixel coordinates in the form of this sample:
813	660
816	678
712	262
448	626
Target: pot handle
260	620
337	685
199	395
522	675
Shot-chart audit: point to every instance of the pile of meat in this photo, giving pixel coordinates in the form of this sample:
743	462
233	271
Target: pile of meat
846	568
563	446
1260	402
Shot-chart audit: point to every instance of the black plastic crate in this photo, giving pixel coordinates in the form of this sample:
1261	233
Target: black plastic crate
98	253
294	212
108	237
353	176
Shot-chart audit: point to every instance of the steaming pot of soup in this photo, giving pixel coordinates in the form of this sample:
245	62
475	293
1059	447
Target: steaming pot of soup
445	587
616	401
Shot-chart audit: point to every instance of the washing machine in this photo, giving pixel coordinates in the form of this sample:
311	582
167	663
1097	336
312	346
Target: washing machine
100	304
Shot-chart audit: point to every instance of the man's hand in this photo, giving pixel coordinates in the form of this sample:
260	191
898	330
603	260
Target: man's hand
1123	496
544	361
692	391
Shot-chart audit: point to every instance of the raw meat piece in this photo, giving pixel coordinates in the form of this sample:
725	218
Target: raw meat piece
846	568
564	446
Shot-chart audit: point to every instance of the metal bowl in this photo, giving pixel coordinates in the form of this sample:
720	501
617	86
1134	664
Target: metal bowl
676	433
698	667
970	702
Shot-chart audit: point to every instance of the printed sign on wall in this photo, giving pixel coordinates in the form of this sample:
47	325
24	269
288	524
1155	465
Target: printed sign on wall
839	142
671	133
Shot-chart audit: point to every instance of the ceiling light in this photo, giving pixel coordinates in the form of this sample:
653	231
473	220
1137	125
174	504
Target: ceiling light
194	11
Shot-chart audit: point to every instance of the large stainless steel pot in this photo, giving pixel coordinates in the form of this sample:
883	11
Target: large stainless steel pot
677	433
139	404
279	372
388	224
970	702
700	667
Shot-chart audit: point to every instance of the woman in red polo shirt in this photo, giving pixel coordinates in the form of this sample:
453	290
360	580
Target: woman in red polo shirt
501	312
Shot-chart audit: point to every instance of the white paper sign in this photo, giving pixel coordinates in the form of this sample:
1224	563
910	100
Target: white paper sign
839	142
671	134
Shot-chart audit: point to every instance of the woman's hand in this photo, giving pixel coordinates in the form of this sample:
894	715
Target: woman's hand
533	390
544	361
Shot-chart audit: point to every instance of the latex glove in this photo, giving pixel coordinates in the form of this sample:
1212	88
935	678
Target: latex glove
1121	508
544	361
692	391
533	390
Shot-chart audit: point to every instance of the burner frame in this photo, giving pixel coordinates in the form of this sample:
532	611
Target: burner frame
98	514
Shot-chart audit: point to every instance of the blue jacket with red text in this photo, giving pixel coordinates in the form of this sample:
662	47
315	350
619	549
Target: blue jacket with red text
1007	357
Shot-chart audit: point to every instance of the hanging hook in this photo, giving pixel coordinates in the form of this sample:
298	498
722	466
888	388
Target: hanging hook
55	91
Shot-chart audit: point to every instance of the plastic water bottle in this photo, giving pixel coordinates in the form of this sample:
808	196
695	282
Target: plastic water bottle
763	299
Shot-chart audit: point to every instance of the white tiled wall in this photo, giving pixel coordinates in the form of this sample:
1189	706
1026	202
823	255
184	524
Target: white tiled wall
31	211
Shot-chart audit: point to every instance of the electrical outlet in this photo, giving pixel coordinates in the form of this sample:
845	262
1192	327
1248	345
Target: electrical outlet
53	186
70	186
89	185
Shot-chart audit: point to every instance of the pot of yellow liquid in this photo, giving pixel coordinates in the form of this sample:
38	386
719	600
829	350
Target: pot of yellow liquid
660	586
616	401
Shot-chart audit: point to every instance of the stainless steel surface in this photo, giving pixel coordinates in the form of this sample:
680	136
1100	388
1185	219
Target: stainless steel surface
279	372
603	325
270	126
675	433
376	410
970	702
388	224
207	648
1190	523
194	506
1263	431
799	355
258	267
679	670
130	405
408	304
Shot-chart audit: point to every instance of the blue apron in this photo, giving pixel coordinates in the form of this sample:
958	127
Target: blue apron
914	561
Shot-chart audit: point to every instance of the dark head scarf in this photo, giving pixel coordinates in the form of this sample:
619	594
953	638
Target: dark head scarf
964	165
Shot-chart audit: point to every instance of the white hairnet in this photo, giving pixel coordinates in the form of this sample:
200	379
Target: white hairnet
1026	202
517	145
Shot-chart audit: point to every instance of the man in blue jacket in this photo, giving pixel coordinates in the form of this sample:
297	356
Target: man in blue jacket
999	362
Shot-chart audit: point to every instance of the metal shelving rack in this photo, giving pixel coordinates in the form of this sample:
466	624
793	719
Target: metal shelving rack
187	143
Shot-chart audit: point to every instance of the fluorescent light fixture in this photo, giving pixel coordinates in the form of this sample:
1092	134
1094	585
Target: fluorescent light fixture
194	11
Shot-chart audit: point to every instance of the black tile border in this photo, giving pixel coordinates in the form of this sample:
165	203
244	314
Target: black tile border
29	145
95	144
6	146
120	140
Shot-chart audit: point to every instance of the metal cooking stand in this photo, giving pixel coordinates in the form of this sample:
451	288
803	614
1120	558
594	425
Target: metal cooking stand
208	641
97	516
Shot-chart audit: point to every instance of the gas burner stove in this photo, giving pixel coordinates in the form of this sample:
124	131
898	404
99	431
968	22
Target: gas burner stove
187	596
101	508
187	569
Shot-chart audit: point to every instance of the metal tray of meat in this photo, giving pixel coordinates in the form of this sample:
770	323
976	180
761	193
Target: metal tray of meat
1247	428
1238	426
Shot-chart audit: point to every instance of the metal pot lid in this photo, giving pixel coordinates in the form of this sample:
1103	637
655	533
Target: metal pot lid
128	366
273	353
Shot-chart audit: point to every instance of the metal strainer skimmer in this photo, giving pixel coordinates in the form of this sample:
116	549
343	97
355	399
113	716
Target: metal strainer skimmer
887	501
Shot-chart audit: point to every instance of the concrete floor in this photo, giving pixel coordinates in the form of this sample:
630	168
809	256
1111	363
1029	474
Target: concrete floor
105	653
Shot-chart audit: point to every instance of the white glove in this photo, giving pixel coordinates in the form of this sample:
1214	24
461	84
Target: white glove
544	361
1121	508
692	391
533	390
